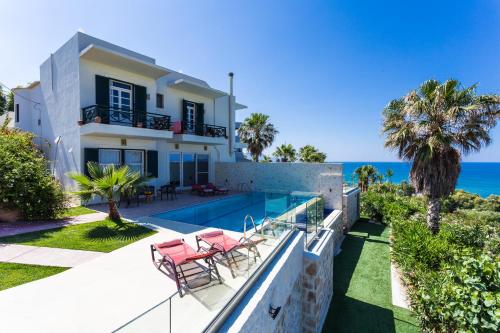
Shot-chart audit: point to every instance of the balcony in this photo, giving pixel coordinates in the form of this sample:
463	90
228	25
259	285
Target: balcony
192	132
108	121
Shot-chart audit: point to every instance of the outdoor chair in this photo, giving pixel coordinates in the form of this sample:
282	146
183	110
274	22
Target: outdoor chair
143	192
201	190
168	190
174	255
217	190
227	245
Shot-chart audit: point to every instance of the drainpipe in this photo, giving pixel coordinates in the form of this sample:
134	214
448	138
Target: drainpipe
231	120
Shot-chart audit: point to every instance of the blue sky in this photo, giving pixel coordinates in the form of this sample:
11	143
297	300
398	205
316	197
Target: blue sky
323	70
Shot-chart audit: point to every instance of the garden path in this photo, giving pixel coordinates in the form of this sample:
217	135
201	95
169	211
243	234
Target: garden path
45	256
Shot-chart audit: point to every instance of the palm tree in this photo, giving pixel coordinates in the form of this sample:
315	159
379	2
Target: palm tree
366	174
310	154
266	159
389	173
107	183
257	133
432	126
285	153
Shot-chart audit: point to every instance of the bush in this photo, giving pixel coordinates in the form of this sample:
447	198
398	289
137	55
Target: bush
454	276
25	183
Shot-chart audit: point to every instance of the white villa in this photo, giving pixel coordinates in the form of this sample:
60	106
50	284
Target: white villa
96	101
104	103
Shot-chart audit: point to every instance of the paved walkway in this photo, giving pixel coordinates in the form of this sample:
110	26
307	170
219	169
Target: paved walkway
45	256
399	297
9	229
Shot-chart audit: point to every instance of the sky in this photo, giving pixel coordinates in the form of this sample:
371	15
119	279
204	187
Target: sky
322	70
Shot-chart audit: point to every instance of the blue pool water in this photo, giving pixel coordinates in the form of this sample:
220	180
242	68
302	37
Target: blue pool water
475	177
229	213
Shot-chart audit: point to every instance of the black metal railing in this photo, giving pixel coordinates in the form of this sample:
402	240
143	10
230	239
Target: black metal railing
125	117
203	129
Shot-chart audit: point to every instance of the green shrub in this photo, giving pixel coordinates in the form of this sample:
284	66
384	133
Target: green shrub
25	183
465	200
372	205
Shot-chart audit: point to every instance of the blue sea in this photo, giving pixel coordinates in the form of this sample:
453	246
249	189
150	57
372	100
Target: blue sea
480	178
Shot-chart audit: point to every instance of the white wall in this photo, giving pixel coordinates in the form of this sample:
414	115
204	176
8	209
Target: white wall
324	178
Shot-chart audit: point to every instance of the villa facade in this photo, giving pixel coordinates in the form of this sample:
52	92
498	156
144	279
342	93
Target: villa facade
96	101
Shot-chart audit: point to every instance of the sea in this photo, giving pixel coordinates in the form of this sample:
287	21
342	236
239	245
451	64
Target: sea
475	177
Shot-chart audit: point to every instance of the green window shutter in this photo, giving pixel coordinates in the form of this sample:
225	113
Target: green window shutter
89	155
102	96
152	163
140	104
184	110
200	118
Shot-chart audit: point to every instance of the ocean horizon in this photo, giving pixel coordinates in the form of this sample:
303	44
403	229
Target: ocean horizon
482	178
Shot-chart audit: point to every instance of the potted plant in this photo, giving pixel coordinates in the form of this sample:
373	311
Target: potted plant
97	119
80	122
139	124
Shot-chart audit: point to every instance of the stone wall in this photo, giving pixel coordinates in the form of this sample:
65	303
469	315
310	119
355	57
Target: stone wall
350	207
324	178
317	285
280	285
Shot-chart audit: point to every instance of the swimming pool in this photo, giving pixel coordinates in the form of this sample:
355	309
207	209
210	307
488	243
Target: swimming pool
229	212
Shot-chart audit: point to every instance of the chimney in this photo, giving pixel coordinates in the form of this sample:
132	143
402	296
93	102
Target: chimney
230	111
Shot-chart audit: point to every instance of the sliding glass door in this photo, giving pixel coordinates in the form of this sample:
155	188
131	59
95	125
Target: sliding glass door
187	169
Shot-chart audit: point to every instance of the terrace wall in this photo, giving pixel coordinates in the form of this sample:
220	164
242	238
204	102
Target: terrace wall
324	178
350	207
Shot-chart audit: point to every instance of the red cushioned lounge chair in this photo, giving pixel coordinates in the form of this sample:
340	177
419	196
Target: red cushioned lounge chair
220	190
201	190
177	253
227	245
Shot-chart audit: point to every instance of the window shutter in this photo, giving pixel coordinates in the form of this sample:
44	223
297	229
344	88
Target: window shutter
152	163
184	110
140	104
102	96
200	118
89	155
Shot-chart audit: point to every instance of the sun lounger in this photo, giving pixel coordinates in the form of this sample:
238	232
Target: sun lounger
201	190
220	190
177	253
227	245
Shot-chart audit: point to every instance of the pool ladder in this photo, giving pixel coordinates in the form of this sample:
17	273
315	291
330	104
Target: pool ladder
245	225
244	187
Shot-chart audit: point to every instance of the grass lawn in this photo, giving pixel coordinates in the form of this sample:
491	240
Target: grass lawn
75	211
362	286
102	236
12	275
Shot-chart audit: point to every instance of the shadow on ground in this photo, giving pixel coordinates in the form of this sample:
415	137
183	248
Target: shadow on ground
362	286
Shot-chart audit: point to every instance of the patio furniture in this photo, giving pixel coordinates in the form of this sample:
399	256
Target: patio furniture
145	191
227	245
218	190
168	190
201	190
177	253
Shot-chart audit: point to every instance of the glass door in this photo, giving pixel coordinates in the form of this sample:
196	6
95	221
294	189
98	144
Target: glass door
202	169
120	103
175	168
188	169
190	121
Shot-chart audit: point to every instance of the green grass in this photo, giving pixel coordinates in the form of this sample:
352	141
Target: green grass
76	211
12	275
362	286
102	236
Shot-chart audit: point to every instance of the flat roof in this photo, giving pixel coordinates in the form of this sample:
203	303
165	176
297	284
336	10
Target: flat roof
196	88
116	59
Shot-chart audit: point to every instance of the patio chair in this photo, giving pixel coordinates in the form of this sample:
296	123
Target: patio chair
219	190
227	245
168	190
201	190
176	253
141	192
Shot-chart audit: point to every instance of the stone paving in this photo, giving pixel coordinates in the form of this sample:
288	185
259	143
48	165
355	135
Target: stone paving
45	256
10	229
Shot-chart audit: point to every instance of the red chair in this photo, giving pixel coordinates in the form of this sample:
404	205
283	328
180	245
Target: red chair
201	190
220	190
177	253
227	245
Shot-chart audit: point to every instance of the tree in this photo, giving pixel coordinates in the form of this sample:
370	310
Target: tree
107	183
10	102
266	159
389	173
3	102
366	174
257	133
310	154
432	127
285	153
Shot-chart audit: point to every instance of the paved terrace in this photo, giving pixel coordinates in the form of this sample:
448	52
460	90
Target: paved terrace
106	293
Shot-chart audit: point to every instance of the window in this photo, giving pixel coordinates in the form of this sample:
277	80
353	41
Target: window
187	169
120	100
159	101
202	169
109	157
134	159
190	116
17	113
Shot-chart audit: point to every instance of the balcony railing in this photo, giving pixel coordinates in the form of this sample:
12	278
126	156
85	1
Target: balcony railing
203	129
125	117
